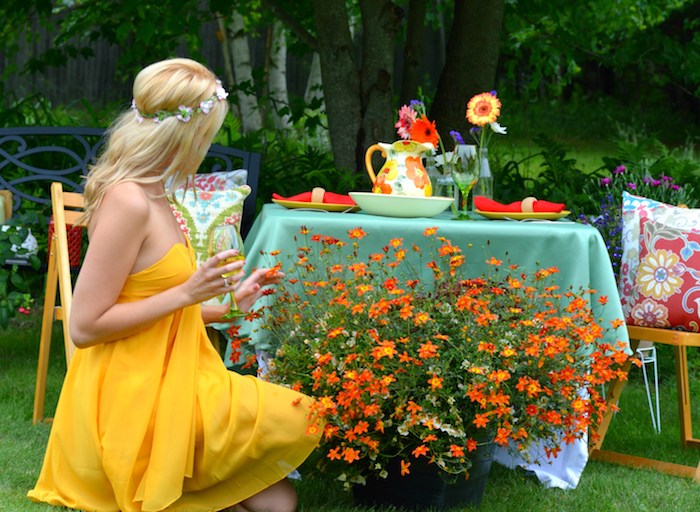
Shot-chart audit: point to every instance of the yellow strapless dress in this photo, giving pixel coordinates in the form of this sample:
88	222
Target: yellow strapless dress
155	421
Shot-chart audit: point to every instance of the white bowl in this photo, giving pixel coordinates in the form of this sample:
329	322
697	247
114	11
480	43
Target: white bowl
391	205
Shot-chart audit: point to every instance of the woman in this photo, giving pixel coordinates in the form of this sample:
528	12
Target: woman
149	418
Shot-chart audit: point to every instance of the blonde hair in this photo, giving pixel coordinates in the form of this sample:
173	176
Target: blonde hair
168	151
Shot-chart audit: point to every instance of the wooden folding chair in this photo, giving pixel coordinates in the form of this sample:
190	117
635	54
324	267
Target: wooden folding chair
680	340
67	209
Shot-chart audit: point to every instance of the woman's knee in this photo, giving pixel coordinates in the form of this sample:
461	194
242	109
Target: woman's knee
279	497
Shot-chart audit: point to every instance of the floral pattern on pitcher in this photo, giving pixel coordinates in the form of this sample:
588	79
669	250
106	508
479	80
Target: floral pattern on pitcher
403	172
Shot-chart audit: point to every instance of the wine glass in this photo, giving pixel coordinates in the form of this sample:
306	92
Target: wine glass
465	170
223	238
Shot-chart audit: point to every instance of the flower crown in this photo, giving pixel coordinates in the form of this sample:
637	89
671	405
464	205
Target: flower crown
183	113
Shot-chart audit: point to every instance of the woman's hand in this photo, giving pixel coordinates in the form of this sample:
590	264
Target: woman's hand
251	288
208	280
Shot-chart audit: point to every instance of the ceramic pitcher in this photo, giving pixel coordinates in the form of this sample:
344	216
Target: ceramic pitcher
403	172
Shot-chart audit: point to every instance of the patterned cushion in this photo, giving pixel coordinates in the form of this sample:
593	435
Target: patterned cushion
637	210
667	284
199	211
208	182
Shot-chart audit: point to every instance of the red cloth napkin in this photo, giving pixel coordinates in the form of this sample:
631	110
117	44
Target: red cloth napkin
328	197
539	206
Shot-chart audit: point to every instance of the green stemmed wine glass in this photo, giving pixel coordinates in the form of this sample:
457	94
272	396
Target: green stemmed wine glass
223	238
465	173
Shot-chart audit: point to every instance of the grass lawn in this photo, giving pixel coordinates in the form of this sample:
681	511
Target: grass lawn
603	487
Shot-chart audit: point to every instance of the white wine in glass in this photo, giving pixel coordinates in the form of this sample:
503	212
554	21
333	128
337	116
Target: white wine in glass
223	238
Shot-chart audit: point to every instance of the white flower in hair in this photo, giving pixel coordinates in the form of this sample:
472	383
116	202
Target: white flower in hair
184	113
139	118
221	93
206	106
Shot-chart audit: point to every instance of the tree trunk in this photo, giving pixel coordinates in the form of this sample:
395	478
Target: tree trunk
277	78
341	81
413	50
472	51
243	74
222	36
314	85
380	22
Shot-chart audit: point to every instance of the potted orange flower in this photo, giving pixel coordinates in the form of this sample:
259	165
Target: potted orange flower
415	364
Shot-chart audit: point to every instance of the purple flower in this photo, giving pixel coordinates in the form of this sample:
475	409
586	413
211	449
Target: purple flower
656	183
647	179
416	103
675	187
605	181
457	137
620	169
475	131
632	186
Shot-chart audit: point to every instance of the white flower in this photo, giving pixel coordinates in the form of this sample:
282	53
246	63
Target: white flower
497	128
221	93
184	113
206	106
138	115
463	151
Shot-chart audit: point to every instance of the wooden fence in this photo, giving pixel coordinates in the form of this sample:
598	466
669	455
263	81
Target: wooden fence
97	80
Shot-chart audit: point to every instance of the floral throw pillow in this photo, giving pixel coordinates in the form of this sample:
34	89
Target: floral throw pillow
198	211
667	284
636	211
224	180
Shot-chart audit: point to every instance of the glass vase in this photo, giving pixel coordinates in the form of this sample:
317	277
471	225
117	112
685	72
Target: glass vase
483	187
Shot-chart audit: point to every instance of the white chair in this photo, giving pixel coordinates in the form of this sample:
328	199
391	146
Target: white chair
646	352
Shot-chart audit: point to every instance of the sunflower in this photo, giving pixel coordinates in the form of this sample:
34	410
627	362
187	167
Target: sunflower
424	130
483	109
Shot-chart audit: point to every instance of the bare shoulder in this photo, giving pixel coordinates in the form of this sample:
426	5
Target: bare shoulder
128	197
124	207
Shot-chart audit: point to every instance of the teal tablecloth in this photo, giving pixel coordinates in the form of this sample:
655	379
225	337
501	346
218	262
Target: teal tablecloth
576	249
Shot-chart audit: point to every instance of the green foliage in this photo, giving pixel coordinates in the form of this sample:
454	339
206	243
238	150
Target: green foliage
643	167
131	26
37	110
559	178
291	166
15	286
649	41
293	161
647	156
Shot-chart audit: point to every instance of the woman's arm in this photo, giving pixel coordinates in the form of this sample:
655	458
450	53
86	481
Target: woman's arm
121	234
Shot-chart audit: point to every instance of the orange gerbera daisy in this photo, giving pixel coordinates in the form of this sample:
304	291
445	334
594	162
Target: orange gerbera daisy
424	130
483	109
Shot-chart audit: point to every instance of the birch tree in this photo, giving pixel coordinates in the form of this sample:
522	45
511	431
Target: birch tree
238	63
277	78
